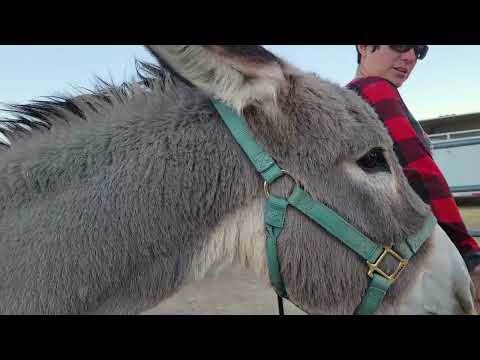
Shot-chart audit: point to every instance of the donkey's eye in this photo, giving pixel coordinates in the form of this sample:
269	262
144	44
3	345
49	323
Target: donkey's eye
373	161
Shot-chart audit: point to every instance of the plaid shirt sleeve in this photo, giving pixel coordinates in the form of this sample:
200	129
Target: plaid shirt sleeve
417	162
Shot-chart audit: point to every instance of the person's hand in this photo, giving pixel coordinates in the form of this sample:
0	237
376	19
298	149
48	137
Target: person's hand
475	274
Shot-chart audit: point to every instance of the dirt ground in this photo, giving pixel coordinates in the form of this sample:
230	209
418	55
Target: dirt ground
232	293
238	293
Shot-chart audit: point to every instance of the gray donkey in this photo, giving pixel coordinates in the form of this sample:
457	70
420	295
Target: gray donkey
114	200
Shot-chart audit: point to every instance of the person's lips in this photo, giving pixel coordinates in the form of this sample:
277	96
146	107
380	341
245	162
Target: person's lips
401	69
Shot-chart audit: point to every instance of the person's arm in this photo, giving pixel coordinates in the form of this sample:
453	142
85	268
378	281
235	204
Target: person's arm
419	167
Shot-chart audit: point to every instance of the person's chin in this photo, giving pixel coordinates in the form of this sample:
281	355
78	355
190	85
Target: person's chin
397	81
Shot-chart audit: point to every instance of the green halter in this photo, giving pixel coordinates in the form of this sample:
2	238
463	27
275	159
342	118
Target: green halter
274	217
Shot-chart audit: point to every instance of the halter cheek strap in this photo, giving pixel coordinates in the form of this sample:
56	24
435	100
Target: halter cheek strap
275	213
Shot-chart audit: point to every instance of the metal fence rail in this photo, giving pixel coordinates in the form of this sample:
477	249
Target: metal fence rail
460	189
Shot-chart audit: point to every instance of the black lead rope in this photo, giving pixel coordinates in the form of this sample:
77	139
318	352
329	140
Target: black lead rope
280	305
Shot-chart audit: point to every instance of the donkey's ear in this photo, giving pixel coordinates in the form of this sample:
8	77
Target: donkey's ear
235	74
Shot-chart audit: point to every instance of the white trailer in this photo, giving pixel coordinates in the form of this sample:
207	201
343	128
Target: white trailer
458	156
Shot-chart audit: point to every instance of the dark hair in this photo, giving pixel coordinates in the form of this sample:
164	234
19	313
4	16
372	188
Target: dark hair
359	57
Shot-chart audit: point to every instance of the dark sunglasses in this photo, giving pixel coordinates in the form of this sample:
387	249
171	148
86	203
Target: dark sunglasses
420	50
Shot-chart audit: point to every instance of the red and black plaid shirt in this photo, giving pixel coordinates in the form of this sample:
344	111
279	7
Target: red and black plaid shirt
414	154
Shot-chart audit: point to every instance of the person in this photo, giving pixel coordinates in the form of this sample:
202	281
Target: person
381	70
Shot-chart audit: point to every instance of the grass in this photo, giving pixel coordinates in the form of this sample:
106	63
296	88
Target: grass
471	215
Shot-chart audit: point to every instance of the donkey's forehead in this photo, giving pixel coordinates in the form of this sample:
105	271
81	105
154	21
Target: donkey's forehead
335	113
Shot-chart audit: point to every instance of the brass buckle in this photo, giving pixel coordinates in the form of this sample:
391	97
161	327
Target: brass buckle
402	264
266	185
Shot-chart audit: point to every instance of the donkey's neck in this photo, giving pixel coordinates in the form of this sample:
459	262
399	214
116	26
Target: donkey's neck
239	240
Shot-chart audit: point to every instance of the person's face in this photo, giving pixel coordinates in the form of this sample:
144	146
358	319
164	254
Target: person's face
387	63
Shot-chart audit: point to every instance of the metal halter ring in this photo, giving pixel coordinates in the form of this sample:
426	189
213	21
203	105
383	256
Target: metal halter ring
266	184
374	267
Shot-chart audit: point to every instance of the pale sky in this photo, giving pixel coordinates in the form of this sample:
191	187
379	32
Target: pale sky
446	82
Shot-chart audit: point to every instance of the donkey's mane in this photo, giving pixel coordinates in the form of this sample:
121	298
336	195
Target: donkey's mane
22	119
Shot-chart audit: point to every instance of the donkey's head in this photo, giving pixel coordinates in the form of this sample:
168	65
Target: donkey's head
332	143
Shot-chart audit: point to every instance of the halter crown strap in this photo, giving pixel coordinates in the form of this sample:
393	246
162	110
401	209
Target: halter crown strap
262	161
275	212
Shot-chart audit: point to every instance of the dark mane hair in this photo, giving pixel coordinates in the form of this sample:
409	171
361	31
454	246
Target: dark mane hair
22	119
